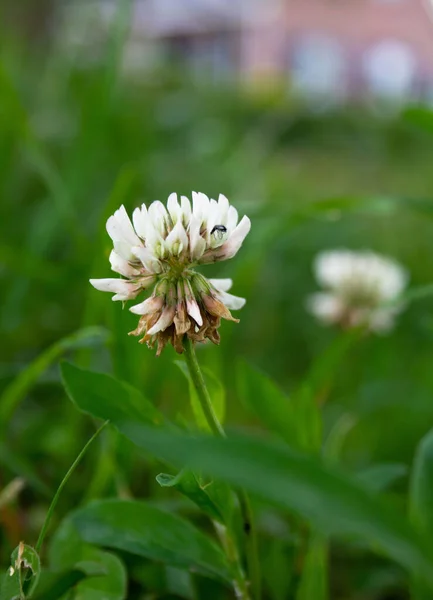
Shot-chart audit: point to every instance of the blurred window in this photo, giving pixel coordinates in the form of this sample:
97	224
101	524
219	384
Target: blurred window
318	67
390	69
214	55
179	48
208	56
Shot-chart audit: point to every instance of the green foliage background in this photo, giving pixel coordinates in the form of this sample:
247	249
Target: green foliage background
76	142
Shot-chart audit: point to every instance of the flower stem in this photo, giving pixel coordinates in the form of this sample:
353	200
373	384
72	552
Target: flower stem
251	547
249	530
200	386
61	486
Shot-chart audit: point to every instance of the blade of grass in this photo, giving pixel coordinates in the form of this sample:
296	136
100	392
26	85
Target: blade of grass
17	390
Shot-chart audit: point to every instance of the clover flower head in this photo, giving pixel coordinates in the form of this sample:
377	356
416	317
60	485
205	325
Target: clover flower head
361	289
159	249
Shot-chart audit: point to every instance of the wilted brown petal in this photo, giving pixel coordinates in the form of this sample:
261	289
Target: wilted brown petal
217	308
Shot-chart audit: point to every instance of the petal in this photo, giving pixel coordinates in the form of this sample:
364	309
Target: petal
147	281
326	307
222	285
173	208
139	218
214	218
164	321
216	307
186	210
236	239
232	219
177	236
200	206
157	210
231	246
112	285
181	320
224	205
123	249
196	243
152	304
232	302
123	289
122	266
125	297
158	217
191	305
194	311
332	268
155	242
147	258
120	229
390	277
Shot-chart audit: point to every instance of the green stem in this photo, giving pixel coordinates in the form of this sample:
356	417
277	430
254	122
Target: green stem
61	486
200	386
228	543
251	546
249	530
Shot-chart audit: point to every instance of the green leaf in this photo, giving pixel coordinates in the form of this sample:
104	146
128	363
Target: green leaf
277	563
110	583
18	389
148	531
222	496
333	445
330	500
179	583
99	394
327	364
421	502
22	578
308	418
315	388
416	293
10	588
216	392
23	467
274	409
314	580
189	484
421	486
379	477
105	573
53	586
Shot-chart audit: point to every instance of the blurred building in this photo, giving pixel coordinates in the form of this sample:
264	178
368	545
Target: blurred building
209	37
351	48
327	51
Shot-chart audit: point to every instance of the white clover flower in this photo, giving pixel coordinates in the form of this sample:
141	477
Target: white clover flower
159	249
360	289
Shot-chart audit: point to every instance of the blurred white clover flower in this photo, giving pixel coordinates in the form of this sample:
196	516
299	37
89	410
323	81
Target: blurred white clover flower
159	249
361	289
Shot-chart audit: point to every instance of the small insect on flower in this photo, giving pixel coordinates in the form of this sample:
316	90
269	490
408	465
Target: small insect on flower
219	232
361	289
159	250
